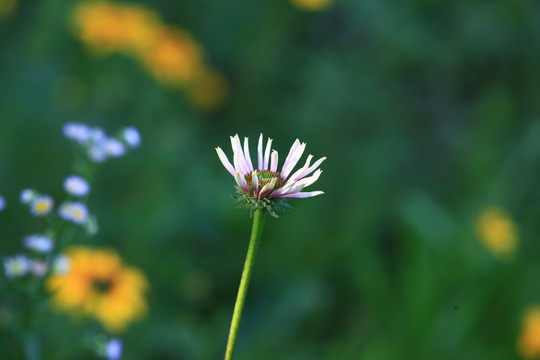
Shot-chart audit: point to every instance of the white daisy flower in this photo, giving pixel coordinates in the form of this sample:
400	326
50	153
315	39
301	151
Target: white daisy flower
132	136
39	243
16	266
60	265
114	147
2	203
41	205
27	196
39	267
77	131
264	181
76	212
76	186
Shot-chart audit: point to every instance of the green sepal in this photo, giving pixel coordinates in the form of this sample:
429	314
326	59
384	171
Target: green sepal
254	204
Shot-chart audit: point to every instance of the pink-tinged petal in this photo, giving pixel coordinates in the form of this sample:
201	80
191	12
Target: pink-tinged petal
284	190
293	160
235	143
294	146
267	188
295	189
310	180
225	161
267	154
247	156
274	162
241	181
309	170
237	147
303	168
301	195
255	183
260	157
238	164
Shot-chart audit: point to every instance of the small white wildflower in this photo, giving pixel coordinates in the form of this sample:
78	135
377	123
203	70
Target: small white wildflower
77	131
114	349
132	136
60	265
97	134
39	267
114	147
76	185
2	203
41	205
74	211
16	266
39	243
97	152
27	196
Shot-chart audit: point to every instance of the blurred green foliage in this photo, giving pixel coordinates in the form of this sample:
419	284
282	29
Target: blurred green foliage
427	111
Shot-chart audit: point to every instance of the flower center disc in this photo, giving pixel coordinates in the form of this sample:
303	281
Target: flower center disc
265	176
102	286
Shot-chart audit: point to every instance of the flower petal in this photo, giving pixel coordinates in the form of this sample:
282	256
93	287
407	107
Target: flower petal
238	165
309	170
260	157
301	195
294	146
267	154
303	168
241	181
267	188
235	143
274	163
255	183
284	190
247	156
225	161
292	160
310	180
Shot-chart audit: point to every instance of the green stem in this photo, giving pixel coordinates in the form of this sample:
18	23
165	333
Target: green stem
256	232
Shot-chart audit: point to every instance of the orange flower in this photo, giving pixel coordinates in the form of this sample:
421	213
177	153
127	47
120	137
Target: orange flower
173	57
497	232
529	339
113	27
99	285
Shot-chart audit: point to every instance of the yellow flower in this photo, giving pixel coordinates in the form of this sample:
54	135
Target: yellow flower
497	232
115	27
312	5
529	339
99	285
173	57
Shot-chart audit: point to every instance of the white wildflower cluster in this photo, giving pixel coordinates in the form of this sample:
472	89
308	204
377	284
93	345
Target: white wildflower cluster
98	145
73	211
41	257
39	262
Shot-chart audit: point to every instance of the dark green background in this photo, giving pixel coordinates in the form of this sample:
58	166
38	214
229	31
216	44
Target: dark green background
427	111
